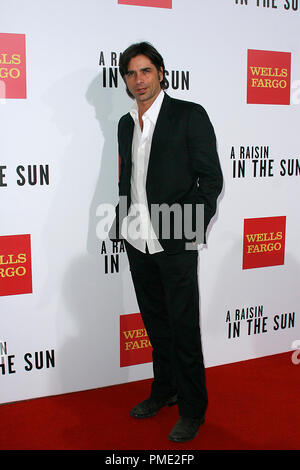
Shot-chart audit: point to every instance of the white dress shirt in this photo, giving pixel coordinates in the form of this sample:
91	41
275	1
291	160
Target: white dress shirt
136	227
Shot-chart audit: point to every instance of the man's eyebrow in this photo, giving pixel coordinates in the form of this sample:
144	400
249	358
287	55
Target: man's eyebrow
141	69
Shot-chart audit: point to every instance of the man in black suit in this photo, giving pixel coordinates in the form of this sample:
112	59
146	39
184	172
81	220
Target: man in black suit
169	168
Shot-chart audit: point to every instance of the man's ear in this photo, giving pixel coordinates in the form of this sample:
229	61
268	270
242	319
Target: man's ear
161	74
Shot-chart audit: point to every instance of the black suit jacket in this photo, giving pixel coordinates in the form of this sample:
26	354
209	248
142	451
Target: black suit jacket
183	168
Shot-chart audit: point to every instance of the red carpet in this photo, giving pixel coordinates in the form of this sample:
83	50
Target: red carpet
254	405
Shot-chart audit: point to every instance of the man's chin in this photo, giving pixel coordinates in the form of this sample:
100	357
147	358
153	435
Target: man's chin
142	95
142	98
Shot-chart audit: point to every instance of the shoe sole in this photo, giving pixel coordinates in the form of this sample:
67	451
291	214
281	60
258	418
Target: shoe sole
175	439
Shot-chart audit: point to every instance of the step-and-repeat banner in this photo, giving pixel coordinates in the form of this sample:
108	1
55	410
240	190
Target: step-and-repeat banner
69	319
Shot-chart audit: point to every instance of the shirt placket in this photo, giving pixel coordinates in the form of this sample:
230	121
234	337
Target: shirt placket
142	159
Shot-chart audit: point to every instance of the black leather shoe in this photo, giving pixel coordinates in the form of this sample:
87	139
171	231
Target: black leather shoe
150	407
186	429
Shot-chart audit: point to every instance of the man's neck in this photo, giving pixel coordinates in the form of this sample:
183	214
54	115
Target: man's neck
143	106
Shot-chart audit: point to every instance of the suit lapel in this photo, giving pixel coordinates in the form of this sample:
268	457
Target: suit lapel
128	136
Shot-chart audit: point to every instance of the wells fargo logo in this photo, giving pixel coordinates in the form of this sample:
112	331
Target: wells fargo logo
12	66
268	77
135	347
15	265
264	242
147	3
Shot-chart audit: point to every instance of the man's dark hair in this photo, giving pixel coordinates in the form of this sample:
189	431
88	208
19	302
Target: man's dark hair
142	48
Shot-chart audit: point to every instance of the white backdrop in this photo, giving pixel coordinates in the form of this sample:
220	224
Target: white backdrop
68	121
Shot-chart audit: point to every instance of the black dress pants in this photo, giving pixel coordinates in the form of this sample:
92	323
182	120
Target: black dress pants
166	287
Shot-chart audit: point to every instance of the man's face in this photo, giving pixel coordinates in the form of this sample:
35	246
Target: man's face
143	80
